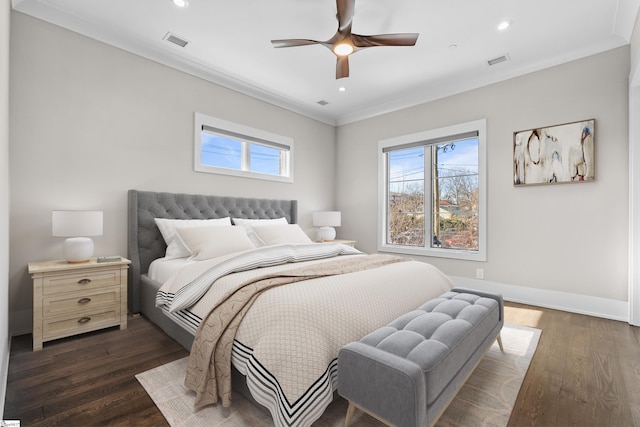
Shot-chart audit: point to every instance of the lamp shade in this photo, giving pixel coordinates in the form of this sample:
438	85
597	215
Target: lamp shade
76	226
326	219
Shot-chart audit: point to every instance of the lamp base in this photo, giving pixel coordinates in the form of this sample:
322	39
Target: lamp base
77	249
327	234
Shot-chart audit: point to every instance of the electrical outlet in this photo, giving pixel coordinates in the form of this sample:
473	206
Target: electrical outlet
479	273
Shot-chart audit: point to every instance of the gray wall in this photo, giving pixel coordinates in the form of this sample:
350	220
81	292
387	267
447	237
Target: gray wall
570	238
89	122
4	199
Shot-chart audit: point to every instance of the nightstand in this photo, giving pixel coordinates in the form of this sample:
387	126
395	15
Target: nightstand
70	299
345	242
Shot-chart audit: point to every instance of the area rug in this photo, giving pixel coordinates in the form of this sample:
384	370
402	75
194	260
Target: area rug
486	399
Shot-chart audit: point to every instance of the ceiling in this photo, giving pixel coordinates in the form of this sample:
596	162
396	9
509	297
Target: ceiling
229	44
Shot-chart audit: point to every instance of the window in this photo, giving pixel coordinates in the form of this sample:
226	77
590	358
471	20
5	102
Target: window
231	149
432	187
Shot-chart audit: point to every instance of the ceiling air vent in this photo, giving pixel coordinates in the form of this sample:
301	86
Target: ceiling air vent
322	102
175	40
498	60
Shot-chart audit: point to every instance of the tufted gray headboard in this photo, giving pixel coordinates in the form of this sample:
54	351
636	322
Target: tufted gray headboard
145	243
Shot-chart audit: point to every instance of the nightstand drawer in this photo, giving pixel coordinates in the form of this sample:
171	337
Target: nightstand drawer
80	281
78	302
63	326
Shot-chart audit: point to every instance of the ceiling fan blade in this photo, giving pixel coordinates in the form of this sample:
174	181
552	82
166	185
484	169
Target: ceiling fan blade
404	39
342	67
293	42
345	13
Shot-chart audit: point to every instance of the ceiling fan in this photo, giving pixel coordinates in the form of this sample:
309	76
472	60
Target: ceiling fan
344	42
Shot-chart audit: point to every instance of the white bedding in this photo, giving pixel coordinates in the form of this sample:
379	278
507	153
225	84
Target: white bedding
288	341
162	269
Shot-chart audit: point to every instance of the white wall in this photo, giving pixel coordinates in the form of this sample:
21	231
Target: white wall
566	240
4	200
89	122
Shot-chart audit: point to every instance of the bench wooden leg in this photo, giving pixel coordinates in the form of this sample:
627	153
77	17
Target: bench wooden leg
500	343
350	410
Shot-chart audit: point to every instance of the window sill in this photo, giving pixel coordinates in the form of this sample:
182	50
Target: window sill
434	252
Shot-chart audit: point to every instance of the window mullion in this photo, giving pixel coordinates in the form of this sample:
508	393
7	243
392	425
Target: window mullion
246	156
284	161
387	216
429	195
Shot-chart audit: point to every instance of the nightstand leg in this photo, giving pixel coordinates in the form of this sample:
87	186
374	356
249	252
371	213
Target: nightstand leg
37	313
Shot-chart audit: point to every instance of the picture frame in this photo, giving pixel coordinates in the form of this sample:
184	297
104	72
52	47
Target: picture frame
556	154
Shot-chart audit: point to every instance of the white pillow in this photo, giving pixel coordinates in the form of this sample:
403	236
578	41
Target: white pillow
211	242
175	248
247	224
280	234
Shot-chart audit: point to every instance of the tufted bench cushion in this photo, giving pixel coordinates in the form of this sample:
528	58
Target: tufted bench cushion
407	372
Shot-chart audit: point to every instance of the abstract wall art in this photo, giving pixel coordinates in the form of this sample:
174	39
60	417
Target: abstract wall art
555	154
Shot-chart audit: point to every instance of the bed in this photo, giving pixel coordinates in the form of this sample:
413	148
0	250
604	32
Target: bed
307	299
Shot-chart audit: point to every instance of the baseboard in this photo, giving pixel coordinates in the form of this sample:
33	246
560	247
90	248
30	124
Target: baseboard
564	301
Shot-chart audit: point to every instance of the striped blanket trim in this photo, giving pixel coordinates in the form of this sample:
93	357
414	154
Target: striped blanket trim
264	386
265	389
268	256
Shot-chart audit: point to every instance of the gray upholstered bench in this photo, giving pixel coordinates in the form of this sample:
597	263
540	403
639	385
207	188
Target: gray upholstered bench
407	373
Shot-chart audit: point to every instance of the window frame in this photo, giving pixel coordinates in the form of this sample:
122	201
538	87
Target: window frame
429	137
246	135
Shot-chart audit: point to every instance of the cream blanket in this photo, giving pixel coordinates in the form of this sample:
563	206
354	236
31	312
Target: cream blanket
209	370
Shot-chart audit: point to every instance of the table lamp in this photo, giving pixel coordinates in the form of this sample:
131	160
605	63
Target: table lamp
77	226
326	220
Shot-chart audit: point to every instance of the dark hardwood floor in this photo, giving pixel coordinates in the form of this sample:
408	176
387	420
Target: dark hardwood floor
88	380
586	372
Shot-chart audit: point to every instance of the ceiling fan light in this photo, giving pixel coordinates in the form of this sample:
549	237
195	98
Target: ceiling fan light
343	49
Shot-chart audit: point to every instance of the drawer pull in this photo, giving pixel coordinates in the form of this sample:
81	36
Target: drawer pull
84	320
84	300
84	281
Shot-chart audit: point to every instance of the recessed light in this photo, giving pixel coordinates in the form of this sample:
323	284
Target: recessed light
453	46
342	89
504	25
181	3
